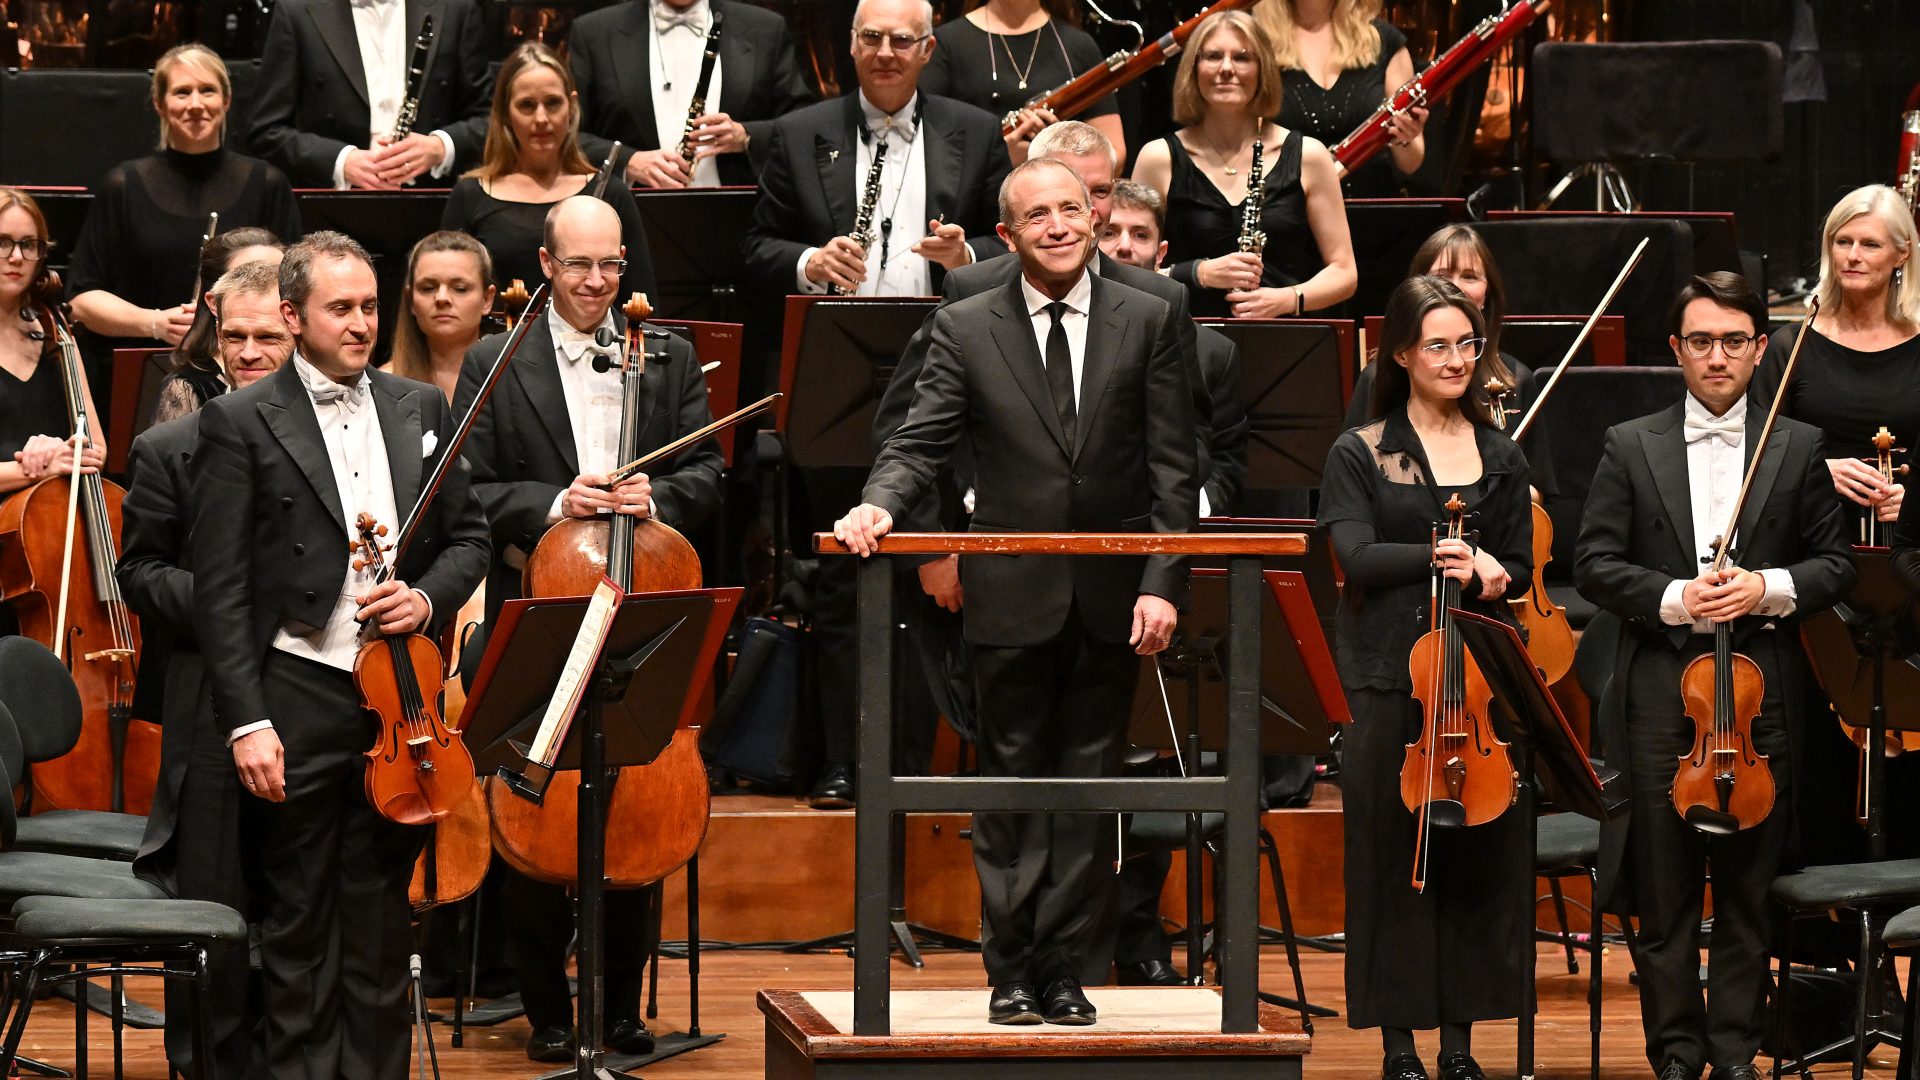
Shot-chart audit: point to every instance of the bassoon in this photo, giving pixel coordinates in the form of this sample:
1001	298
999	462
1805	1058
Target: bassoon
1908	168
1447	71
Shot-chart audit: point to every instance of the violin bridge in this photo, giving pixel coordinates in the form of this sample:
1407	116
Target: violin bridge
109	654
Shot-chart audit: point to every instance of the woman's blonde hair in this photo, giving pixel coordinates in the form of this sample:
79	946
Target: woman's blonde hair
502	154
1189	108
1356	41
411	358
1881	201
198	56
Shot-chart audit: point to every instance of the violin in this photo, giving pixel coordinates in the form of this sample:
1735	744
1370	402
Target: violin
59	554
1873	531
508	300
1724	783
1457	773
454	862
418	768
659	810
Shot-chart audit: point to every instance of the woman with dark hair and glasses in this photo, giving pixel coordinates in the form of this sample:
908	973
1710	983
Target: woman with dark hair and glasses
1449	955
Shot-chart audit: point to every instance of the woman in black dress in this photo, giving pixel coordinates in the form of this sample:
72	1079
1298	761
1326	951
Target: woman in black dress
1339	63
1004	53
1450	955
533	161
133	269
449	290
1458	254
198	375
1224	95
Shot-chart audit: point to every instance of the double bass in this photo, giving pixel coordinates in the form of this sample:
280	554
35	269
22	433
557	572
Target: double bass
59	553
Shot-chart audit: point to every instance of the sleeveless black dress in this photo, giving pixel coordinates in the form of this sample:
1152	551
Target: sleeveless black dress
1202	224
1331	113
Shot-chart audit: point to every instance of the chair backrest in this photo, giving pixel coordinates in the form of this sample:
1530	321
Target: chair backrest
1700	101
36	688
11	765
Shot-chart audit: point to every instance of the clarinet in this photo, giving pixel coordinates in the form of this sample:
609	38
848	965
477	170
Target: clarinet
869	201
416	80
1252	239
697	108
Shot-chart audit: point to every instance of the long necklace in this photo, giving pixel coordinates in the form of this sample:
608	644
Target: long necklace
1013	61
1220	162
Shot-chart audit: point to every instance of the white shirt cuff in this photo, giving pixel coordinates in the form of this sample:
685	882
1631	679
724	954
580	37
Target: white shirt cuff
428	621
800	279
1780	598
340	168
553	512
446	162
1673	610
1206	508
247	729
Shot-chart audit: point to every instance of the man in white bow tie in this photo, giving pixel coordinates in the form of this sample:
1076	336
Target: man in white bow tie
1662	498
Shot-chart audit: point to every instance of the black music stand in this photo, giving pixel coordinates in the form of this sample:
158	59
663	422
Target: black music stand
668	638
1300	698
1386	233
1526	716
693	237
1297	374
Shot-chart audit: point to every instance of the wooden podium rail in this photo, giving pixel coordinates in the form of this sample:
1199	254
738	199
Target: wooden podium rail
1235	793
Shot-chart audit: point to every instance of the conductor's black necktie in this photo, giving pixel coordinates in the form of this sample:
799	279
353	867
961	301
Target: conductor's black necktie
1060	370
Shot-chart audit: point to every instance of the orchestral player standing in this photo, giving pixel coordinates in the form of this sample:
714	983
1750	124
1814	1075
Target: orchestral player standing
540	452
199	373
1450	954
638	66
1339	61
1055	641
333	82
1663	493
1226	94
448	291
192	846
282	470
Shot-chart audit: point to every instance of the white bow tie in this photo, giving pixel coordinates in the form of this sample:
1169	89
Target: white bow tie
693	18
332	393
1730	428
577	346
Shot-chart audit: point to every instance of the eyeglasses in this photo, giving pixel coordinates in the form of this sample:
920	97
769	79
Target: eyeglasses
1441	351
873	39
581	267
1735	346
30	247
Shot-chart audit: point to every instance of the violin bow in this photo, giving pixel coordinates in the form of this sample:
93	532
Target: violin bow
1580	339
1724	547
451	456
692	437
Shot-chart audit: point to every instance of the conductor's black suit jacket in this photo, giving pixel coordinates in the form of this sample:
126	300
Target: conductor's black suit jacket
313	86
611	54
809	192
1131	467
269	543
1637	536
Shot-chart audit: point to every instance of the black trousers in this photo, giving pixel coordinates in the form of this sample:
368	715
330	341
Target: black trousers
539	924
1046	880
335	933
1669	859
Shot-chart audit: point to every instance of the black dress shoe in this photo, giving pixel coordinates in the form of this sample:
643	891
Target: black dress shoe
834	789
1737	1072
1403	1067
1014	1003
552	1044
1149	973
1065	1003
630	1037
1458	1066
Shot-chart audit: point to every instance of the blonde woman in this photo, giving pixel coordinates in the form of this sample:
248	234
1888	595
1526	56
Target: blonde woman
449	290
1339	62
132	272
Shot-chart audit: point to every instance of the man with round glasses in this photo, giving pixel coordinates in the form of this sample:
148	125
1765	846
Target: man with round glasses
1661	499
541	451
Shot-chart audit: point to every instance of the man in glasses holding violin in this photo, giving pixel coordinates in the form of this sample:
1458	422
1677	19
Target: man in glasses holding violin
540	451
1663	495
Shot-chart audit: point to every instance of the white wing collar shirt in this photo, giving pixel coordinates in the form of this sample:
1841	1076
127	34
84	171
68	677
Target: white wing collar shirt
680	46
380	28
900	212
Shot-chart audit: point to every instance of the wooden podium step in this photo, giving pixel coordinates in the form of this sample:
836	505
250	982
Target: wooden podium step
1143	1032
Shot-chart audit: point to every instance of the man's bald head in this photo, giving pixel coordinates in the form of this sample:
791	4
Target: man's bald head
582	255
582	219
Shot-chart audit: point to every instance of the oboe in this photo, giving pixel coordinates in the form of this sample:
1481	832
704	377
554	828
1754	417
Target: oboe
697	108
1252	239
869	201
416	81
213	228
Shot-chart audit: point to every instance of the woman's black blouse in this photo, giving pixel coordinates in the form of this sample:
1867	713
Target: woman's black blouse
36	406
1202	224
510	231
1380	510
1331	113
974	66
1846	393
1537	443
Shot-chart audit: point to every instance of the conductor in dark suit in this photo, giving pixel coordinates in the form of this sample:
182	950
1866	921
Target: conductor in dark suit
638	63
933	208
1664	490
282	469
540	451
192	843
1070	389
333	78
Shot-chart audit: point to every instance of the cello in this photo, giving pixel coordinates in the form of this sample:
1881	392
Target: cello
1458	772
1724	784
59	553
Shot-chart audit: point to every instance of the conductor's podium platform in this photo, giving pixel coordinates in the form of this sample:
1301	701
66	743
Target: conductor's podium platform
1147	1031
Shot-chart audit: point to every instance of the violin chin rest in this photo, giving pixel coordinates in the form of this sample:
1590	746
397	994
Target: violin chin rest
1447	814
1709	820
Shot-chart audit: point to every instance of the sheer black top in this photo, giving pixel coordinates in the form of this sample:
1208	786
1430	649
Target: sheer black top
984	70
510	231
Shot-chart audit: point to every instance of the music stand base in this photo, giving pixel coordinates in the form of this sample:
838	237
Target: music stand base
671	1044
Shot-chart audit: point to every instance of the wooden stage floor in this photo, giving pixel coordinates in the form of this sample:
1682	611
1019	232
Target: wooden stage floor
729	980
